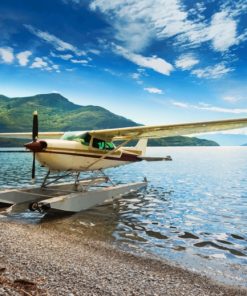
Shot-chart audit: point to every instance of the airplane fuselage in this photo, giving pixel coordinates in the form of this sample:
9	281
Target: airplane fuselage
63	155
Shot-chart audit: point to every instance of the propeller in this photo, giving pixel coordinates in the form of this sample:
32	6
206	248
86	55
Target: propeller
35	132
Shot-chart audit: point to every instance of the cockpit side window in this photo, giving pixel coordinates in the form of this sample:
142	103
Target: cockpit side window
103	145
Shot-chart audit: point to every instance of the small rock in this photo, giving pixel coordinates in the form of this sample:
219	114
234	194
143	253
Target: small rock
2	269
24	282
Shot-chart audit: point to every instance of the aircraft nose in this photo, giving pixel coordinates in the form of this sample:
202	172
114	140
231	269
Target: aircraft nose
36	146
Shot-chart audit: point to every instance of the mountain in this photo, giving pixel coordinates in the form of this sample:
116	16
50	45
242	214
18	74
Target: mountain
181	141
57	113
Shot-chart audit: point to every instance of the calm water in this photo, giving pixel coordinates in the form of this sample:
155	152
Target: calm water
193	212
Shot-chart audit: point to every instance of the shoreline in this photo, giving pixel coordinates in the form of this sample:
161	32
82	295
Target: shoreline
38	261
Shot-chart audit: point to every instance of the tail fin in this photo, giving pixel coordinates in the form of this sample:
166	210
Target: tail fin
142	145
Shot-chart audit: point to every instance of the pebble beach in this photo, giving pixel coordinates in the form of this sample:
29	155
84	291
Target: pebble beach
37	261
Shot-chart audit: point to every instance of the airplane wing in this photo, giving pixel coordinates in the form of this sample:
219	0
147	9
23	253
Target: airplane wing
159	131
148	132
45	135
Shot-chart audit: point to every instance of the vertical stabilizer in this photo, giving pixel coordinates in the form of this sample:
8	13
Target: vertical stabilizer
142	145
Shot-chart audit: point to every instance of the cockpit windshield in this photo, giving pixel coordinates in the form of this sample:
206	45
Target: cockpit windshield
84	138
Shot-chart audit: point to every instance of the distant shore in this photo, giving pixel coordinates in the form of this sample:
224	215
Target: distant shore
38	261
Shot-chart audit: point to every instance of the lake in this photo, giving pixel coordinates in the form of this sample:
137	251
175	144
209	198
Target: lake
193	212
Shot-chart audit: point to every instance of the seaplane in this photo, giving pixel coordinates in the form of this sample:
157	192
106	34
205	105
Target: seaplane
72	154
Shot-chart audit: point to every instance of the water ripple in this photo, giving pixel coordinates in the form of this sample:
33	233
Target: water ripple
193	211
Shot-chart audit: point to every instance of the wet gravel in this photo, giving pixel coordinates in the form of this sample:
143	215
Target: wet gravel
38	261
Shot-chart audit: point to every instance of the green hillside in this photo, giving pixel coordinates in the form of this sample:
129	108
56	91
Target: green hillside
181	141
56	113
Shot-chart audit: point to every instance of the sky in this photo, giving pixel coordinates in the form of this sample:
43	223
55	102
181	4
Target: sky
152	61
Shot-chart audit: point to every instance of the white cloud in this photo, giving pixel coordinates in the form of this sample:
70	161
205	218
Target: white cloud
207	107
212	72
6	55
56	42
136	23
136	76
222	31
94	51
75	61
113	73
44	64
153	90
55	67
186	62
231	99
155	63
39	63
180	104
224	110
241	131
65	57
200	7
235	8
70	57
23	57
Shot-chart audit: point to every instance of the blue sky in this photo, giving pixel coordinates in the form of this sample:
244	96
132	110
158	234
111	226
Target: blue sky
153	61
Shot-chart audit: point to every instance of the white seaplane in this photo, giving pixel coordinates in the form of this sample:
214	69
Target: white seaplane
72	153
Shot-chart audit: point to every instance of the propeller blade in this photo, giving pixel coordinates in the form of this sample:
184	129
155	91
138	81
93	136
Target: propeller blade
35	131
33	167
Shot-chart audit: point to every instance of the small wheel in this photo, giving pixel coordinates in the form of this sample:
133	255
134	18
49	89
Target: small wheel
33	206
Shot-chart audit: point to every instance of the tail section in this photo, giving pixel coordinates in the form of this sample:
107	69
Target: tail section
139	148
142	145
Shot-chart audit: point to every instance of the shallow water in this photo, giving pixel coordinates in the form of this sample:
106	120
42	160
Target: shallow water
193	212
